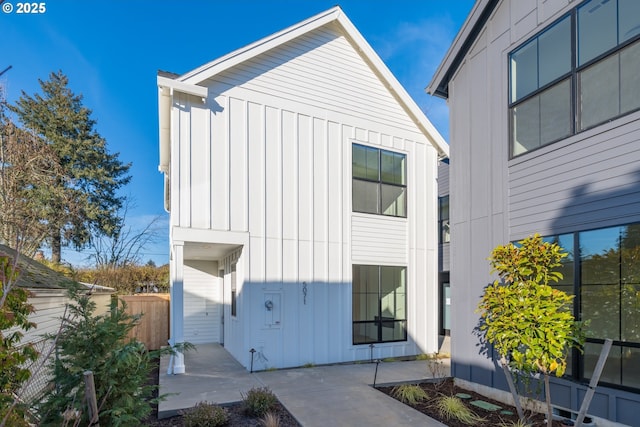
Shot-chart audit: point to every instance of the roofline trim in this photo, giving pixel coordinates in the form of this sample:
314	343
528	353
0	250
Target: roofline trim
240	55
461	45
335	14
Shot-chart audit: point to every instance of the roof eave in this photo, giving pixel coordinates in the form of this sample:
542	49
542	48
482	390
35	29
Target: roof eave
334	14
240	55
470	30
393	85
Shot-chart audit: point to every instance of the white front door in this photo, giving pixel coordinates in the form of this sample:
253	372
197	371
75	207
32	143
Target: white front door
202	303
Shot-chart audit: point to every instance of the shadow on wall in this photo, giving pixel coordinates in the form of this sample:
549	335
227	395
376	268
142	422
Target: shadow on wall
592	206
292	324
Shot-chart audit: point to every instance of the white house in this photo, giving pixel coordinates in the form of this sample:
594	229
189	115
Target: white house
301	181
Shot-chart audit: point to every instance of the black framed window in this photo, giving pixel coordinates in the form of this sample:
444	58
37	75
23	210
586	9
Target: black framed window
379	184
445	303
576	74
443	219
379	304
603	272
234	310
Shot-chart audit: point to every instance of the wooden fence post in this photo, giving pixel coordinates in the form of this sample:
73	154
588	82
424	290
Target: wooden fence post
92	401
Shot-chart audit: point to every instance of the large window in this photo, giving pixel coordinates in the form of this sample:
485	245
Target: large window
605	278
379	181
379	304
578	73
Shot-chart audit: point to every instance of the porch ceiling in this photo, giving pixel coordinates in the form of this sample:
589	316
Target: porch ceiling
207	251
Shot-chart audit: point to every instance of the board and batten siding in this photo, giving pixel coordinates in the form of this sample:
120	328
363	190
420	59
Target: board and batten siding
269	154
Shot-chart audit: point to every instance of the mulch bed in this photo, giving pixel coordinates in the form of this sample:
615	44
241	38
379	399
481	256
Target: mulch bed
493	418
237	415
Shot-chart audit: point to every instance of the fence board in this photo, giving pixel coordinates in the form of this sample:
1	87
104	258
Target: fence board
153	328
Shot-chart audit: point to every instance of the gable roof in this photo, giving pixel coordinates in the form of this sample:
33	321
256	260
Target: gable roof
190	82
471	29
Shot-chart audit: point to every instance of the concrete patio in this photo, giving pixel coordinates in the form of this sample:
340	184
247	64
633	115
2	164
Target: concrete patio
317	396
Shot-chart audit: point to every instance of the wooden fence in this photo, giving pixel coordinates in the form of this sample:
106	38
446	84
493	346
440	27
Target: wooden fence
153	329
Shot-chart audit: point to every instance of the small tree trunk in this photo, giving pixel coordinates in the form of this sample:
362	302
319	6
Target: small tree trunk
56	247
512	388
547	395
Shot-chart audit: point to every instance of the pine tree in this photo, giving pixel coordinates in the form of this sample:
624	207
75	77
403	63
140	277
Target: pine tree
92	175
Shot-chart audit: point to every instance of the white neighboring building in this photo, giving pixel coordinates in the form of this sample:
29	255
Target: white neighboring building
301	181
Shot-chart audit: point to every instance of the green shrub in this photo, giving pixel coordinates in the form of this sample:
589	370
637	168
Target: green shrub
120	366
409	393
14	358
205	415
452	407
258	401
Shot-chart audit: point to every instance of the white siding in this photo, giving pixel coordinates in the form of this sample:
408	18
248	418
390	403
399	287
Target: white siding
202	302
278	131
378	239
49	309
320	67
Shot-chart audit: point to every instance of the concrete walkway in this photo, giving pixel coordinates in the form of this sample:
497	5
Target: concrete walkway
338	395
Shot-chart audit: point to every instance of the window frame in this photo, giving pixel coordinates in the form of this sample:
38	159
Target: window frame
379	181
575	113
380	320
576	358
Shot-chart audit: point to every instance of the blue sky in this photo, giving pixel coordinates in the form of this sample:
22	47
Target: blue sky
111	51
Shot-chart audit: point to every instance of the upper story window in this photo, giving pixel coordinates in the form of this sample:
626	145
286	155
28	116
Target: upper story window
379	181
578	73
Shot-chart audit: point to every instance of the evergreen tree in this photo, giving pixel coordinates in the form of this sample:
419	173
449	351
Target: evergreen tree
29	174
92	175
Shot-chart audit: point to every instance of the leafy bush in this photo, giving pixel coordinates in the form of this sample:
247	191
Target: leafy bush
120	366
528	322
205	415
409	393
452	407
258	401
14	358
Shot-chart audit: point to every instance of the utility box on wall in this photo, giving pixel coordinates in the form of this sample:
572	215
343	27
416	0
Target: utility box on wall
272	309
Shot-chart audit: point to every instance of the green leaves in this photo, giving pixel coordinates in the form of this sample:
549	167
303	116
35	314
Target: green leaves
14	358
533	259
120	366
529	323
84	201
